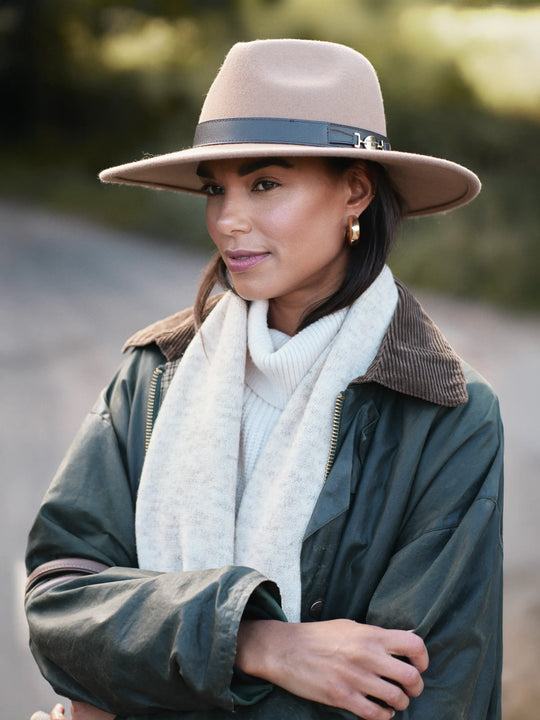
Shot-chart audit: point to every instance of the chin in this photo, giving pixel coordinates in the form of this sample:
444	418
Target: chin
250	294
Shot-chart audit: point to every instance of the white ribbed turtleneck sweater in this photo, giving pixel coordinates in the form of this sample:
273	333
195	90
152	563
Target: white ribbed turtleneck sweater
275	365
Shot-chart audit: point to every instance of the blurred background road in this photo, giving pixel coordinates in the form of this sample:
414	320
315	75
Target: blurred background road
71	292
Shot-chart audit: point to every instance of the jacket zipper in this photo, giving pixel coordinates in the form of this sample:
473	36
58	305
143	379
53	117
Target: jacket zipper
152	393
336	421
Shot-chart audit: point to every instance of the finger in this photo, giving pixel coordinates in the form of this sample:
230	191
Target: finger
57	713
406	644
373	708
388	694
406	675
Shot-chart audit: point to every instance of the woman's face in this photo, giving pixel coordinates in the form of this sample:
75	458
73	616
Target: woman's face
279	225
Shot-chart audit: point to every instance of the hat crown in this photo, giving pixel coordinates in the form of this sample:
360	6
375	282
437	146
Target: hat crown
297	79
301	98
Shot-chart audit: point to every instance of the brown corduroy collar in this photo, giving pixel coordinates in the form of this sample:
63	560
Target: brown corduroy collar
414	357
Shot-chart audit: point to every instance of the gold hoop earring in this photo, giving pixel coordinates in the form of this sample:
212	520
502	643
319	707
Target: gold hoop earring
353	230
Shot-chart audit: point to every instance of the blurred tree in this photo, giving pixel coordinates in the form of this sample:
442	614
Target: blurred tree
96	82
54	72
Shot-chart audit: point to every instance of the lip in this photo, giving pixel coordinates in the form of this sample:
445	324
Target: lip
242	260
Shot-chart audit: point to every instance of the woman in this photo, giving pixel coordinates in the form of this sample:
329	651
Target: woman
287	502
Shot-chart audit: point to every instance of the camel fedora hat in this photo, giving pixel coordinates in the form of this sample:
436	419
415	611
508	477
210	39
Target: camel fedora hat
276	98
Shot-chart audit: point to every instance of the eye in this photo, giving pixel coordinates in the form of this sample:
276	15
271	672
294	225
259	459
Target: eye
212	189
264	185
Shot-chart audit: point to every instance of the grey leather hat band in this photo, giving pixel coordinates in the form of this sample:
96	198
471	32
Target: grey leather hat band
279	131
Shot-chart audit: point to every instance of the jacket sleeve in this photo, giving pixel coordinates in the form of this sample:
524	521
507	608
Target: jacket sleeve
444	580
126	640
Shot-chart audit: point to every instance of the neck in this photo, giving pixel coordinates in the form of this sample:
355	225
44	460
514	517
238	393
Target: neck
284	317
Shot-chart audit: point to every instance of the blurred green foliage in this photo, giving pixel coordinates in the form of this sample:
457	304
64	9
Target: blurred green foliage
94	83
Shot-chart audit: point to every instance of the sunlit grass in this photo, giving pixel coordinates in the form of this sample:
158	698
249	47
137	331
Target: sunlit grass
347	21
141	43
496	49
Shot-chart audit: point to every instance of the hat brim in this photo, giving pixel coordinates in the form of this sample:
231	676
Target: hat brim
427	185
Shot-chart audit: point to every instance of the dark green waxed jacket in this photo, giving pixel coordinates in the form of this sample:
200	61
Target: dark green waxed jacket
406	534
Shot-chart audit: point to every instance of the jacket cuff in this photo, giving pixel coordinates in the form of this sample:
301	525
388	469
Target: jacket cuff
246	689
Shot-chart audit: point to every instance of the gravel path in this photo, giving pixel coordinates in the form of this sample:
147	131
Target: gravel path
71	292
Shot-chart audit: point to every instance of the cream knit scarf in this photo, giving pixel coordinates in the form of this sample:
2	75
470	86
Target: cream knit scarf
186	515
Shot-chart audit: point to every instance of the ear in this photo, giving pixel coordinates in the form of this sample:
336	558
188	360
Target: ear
361	184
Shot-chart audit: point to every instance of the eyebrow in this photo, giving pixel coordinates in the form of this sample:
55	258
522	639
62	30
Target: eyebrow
248	167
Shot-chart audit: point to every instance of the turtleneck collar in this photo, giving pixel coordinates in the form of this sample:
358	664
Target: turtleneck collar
277	362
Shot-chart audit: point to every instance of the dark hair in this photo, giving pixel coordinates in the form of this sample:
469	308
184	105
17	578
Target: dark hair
379	224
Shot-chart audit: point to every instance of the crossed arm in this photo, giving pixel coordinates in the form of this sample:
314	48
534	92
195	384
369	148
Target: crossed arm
337	662
360	668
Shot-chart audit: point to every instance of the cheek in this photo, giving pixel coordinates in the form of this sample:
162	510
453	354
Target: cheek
278	220
321	229
291	223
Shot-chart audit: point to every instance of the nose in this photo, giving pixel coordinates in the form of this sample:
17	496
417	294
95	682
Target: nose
232	215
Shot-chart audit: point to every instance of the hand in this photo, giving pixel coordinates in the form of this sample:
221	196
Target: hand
79	711
57	713
338	662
